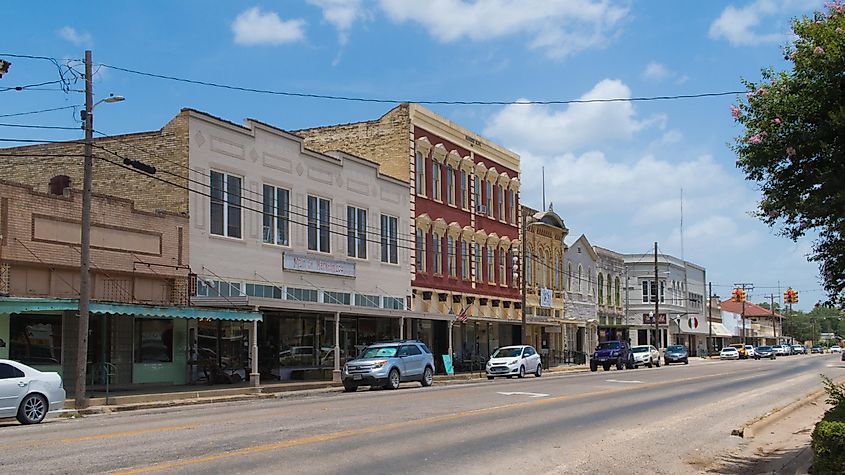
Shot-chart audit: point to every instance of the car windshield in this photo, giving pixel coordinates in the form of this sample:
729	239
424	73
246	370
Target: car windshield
676	349
640	349
609	345
729	350
379	352
764	348
507	353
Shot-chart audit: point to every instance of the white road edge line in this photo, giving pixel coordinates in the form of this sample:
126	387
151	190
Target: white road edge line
520	393
623	381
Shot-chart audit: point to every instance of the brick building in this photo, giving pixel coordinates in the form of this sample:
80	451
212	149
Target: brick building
140	318
464	200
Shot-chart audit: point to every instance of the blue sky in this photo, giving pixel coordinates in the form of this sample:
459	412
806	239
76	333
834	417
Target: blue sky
613	171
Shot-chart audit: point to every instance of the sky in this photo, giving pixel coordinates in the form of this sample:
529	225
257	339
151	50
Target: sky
614	171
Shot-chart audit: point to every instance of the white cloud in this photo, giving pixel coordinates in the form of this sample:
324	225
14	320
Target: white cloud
254	27
541	129
656	72
557	27
740	26
79	39
342	14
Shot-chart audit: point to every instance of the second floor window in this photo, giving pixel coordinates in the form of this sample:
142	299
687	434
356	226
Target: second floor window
476	192
420	172
489	198
435	181
225	205
450	184
356	232
491	265
503	269
276	229
436	254
319	219
500	200
389	245
451	257
512	205
463	190
478	268
420	254
464	260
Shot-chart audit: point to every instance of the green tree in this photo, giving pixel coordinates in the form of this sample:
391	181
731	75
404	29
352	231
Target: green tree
794	140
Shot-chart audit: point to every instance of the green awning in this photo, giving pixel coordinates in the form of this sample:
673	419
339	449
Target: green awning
10	305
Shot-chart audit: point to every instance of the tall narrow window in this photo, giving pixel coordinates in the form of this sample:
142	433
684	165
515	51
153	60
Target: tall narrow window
389	245
479	270
580	286
462	189
276	228
436	254
420	251
569	277
356	232
489	197
450	184
435	181
512	204
601	288
476	192
491	265
225	205
503	268
609	290
319	216
558	270
509	262
464	260
420	173
616	292
500	200
450	256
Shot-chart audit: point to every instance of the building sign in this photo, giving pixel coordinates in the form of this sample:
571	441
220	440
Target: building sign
649	319
317	265
546	298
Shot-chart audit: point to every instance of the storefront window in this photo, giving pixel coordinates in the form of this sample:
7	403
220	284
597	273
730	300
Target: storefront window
36	339
153	341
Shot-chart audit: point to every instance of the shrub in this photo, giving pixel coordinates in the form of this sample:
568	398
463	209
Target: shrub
828	440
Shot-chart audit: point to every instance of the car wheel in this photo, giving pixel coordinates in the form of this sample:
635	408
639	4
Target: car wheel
521	372
620	365
489	378
349	388
606	367
539	371
33	409
393	379
686	361
427	378
649	364
657	363
594	366
630	364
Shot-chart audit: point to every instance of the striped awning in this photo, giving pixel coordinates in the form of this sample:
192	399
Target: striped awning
9	305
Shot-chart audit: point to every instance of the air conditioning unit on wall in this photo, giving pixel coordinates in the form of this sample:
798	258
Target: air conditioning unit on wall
481	209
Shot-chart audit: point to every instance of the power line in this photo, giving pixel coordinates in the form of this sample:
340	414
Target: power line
16	114
30	86
30	126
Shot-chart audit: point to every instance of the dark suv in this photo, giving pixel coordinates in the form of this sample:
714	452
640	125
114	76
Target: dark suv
610	353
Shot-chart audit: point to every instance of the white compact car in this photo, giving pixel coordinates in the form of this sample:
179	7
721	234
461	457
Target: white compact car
836	349
513	361
28	394
729	353
646	355
750	351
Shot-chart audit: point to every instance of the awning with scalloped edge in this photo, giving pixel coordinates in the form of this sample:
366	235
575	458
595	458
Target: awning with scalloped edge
9	305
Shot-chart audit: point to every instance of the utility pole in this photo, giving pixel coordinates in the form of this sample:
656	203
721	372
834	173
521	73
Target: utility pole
709	317
774	326
85	241
746	286
656	301
524	326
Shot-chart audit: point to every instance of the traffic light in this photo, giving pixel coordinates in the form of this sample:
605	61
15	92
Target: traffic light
742	295
790	296
738	295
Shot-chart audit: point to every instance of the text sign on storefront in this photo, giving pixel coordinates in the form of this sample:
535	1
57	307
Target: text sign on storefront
546	298
318	265
648	319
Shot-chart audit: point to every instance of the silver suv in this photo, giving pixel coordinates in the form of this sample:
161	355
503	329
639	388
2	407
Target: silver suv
388	364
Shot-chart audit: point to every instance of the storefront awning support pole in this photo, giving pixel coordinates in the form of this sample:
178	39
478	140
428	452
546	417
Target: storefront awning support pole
336	372
451	355
254	375
401	328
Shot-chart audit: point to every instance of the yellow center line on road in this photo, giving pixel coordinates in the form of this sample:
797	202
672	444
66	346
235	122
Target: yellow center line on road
86	438
416	423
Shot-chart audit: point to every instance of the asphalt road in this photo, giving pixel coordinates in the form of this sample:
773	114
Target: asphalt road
663	420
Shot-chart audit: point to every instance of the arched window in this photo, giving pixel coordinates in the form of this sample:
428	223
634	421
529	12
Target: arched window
558	270
464	260
450	256
420	169
420	250
601	289
618	297
529	278
569	277
548	269
503	267
609	291
479	270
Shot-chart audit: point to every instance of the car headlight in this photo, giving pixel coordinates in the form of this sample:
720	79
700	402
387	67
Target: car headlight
379	364
513	362
614	353
345	368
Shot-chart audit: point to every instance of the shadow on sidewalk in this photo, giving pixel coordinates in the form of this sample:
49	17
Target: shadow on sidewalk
779	461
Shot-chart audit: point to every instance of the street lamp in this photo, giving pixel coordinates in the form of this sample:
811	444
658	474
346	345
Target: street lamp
85	241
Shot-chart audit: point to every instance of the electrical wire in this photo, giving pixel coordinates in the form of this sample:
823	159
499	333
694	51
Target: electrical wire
16	114
30	86
30	126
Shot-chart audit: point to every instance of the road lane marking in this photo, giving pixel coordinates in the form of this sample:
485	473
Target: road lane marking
521	393
412	423
108	435
623	381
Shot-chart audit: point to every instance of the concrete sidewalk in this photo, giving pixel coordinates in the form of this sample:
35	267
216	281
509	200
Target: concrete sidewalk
190	395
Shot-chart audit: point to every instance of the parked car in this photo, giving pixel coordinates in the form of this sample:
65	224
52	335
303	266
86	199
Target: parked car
836	349
729	353
510	361
388	365
816	349
646	355
28	394
676	354
764	352
740	349
782	350
799	349
749	350
611	353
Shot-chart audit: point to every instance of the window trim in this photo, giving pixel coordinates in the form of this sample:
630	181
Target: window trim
224	202
319	225
359	233
420	174
274	227
389	243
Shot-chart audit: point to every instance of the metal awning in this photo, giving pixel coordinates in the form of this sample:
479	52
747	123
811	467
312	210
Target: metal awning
10	305
720	330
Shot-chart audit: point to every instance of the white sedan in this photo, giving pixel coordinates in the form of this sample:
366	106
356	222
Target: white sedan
28	394
646	355
729	353
513	361
836	349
